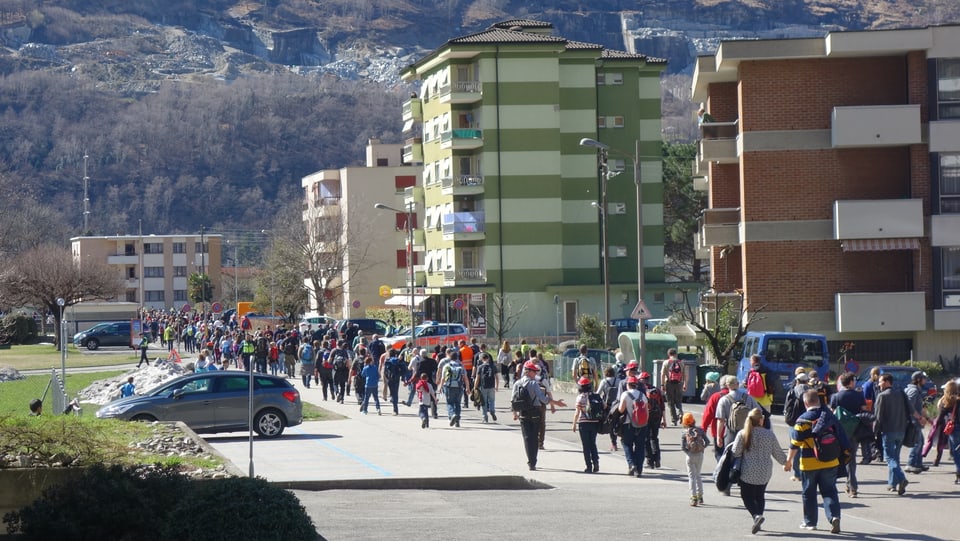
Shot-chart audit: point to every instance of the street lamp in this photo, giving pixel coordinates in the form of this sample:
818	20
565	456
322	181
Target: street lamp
635	158
63	341
602	207
409	212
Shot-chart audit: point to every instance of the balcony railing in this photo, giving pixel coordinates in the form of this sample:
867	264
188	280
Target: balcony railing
326	201
460	92
720	130
463	223
462	133
463	276
719	227
462	185
413	109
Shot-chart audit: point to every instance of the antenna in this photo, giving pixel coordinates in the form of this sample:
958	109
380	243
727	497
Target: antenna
86	198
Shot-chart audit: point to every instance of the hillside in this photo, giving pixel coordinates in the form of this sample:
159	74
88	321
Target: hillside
208	112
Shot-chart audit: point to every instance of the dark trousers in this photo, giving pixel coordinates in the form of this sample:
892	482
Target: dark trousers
326	382
340	384
505	375
754	498
394	387
588	440
143	357
542	428
530	428
634	443
674	392
653	442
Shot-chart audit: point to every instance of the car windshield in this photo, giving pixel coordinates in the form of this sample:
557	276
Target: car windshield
803	352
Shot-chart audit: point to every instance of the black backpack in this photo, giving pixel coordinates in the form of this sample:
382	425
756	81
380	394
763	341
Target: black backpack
391	369
339	359
487	376
262	346
792	407
595	410
654	399
521	400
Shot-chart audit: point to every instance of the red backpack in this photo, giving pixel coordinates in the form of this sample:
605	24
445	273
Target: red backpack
640	414
755	386
675	372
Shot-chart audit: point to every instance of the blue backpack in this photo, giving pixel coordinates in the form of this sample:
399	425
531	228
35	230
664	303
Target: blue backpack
307	355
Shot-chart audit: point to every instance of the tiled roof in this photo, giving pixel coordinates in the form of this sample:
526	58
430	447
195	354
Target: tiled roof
505	36
582	45
623	55
523	23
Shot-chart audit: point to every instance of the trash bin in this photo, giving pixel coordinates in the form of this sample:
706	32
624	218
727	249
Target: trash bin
690	370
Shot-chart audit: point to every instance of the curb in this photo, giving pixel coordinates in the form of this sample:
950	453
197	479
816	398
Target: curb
492	482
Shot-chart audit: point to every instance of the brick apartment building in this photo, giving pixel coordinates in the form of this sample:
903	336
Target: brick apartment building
833	174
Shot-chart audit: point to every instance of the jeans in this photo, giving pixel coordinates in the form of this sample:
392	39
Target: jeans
274	368
425	414
488	405
367	391
394	387
915	459
755	500
891	454
953	440
634	441
653	442
852	483
306	374
825	481
453	401
588	441
413	391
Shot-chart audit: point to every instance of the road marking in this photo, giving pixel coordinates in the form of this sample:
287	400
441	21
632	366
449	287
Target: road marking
322	441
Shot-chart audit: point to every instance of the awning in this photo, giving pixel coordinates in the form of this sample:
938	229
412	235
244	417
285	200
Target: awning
404	300
876	245
407	126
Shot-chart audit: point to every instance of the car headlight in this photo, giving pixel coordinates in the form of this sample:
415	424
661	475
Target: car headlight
114	410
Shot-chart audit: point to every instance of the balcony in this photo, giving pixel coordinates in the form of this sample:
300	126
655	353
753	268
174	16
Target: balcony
876	126
123	259
720	227
878	219
419	240
413	109
463	277
461	92
412	151
881	312
412	195
718	143
461	139
701	184
463	226
322	207
462	185
945	229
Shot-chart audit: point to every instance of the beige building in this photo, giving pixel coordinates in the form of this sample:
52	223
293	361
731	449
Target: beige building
155	268
340	206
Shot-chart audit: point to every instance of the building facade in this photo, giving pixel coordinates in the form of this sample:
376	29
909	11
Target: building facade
339	206
506	191
833	172
155	268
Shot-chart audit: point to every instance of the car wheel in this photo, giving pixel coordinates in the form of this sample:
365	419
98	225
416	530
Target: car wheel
93	344
269	423
144	418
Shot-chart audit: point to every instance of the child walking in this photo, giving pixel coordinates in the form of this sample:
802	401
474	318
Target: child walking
693	441
428	397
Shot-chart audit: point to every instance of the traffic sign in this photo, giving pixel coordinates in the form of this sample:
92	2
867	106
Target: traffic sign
385	291
185	308
217	308
641	311
458	304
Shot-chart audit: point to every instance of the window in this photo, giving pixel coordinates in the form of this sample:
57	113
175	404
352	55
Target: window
951	269
153	248
180	272
129	249
614	78
179	247
383	162
153	272
616	208
569	317
401	218
131	296
950	183
617	164
180	295
154	296
609	121
131	272
948	88
200	249
658	298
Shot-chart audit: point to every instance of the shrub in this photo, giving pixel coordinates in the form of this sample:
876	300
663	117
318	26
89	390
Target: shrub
256	510
933	369
18	328
591	331
118	502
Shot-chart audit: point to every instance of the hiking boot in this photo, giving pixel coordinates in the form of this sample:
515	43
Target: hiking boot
700	498
452	421
423	423
631	471
693	501
902	487
596	468
757	522
835	525
588	469
494	415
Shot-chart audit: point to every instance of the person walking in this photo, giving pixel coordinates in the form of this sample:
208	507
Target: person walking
143	345
453	381
527	402
756	445
847	404
693	441
308	367
634	425
656	420
371	380
915	396
427	396
505	360
608	392
816	474
945	424
487	380
674	379
893	415
589	412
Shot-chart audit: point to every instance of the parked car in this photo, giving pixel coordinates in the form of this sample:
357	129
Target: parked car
112	333
901	378
429	334
215	402
367	325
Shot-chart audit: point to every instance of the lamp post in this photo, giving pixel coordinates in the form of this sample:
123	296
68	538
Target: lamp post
409	212
63	340
602	207
635	158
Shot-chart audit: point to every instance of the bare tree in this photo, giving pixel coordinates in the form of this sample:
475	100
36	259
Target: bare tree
280	288
40	276
503	315
722	318
327	252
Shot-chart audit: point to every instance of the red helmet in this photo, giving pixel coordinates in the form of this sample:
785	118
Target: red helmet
632	379
644	375
583	381
530	365
632	365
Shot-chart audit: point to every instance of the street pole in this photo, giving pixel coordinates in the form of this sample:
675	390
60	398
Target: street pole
637	181
409	212
63	341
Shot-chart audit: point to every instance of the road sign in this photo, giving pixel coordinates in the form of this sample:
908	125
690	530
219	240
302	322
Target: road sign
185	308
385	291
458	304
217	308
641	311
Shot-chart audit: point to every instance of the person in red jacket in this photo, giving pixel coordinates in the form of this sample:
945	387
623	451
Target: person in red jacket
710	411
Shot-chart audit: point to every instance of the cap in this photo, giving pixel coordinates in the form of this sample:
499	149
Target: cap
803	377
917	375
799	370
644	375
687	419
632	379
423	351
632	365
713	376
583	381
530	365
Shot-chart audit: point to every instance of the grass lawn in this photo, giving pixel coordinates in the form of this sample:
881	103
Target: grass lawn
16	395
39	356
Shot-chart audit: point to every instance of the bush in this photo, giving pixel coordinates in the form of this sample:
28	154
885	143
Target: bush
933	369
591	331
18	329
241	508
124	503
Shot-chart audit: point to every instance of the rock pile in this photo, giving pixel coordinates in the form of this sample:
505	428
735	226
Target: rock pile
145	378
10	374
168	440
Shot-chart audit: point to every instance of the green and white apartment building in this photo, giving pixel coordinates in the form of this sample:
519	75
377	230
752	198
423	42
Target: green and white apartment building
508	198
